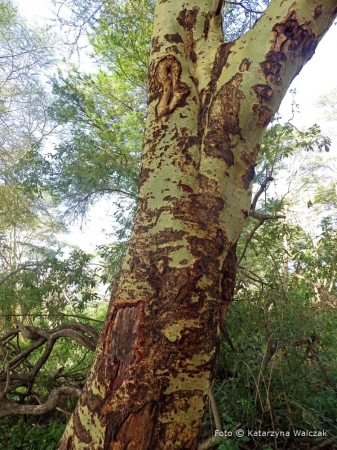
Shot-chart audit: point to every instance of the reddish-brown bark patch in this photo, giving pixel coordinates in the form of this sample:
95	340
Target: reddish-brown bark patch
184	142
185	187
207	184
229	98
263	91
249	160
220	61
247	177
229	269
264	115
83	434
291	35
219	243
318	11
273	66
173	49
144	176
135	432
224	120
120	344
207	23
197	269
200	209
187	19
218	143
155	46
173	38
245	65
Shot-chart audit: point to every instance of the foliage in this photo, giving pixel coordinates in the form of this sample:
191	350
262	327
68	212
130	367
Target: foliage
102	114
277	366
329	103
30	434
99	154
42	282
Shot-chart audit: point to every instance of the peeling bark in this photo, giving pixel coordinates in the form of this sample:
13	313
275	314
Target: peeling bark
209	103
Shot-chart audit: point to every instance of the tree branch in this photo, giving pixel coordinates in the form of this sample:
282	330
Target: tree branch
207	445
264	217
12	408
215	410
263	187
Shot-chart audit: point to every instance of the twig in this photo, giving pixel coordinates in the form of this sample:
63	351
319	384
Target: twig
252	11
263	187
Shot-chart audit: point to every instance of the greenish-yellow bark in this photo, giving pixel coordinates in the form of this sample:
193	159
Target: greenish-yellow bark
208	105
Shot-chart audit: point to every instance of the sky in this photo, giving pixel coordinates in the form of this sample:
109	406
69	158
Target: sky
317	78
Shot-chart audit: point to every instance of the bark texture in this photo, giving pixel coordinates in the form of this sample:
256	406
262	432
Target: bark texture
208	105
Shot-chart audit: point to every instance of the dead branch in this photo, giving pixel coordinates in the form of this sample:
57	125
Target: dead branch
17	371
207	445
263	187
12	408
215	410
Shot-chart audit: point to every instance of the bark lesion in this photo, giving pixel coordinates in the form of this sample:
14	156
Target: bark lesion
223	128
120	344
187	19
167	80
293	34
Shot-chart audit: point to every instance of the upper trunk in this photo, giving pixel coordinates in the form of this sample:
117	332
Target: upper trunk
208	105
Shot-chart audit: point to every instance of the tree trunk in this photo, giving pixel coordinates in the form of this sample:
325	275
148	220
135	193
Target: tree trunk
208	105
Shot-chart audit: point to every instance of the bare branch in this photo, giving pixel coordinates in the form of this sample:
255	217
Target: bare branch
263	187
85	335
26	266
215	410
12	408
246	8
210	443
261	218
49	315
264	217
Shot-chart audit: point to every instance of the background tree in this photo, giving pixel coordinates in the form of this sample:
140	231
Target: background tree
39	282
274	342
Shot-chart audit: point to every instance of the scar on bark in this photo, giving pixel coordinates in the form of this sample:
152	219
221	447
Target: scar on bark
293	35
167	80
264	115
120	344
245	65
318	11
223	126
290	37
264	92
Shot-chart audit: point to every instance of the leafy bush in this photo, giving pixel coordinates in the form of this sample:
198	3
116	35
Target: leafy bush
29	434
